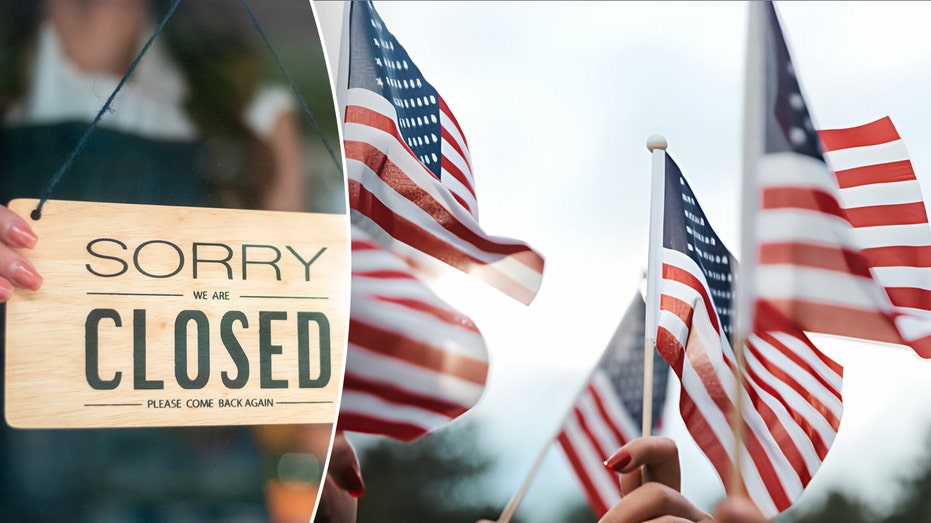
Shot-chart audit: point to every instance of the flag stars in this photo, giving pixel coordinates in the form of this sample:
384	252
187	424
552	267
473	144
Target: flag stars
797	136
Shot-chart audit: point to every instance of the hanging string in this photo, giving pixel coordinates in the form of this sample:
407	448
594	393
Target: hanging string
47	193
294	89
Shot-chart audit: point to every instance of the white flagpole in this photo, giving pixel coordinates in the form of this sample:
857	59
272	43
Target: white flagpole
753	148
656	144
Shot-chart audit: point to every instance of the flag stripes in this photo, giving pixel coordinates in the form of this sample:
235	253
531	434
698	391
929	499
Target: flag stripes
848	254
604	416
389	191
413	363
790	391
597	426
409	167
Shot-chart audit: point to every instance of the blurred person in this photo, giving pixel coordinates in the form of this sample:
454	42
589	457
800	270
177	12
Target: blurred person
192	126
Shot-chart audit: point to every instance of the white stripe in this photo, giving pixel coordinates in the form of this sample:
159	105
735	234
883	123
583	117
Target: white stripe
398	154
417	326
888	193
795	170
914	235
520	273
913	324
853	157
410	210
457	137
398	373
453	183
834	380
721	430
782	282
799	404
605	483
598	427
503	267
357	402
909	277
617	414
799	225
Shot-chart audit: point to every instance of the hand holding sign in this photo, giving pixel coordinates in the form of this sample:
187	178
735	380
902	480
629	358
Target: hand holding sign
15	270
161	316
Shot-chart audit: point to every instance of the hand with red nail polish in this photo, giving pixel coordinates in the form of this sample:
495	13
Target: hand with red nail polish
657	497
342	485
15	269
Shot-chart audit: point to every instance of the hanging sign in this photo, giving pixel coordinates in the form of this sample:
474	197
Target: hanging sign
171	316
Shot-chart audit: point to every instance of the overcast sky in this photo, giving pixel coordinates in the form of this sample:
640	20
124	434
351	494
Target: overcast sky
557	101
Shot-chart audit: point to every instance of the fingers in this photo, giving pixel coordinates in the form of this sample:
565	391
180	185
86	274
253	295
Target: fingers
738	510
15	270
659	457
344	466
653	501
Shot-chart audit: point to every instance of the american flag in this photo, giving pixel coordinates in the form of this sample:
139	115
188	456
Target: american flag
413	363
410	172
846	254
791	391
607	413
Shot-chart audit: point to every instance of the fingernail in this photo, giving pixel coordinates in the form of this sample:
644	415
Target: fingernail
350	478
22	236
26	277
618	460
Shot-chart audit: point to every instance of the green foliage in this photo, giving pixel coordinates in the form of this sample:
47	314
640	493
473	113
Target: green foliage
435	478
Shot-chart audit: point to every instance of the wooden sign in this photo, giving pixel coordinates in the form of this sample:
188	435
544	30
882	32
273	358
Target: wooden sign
170	316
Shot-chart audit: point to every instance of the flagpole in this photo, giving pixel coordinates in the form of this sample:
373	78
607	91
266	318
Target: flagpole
752	149
656	144
511	507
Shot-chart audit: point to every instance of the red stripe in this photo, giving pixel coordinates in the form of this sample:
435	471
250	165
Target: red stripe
898	256
830	257
704	368
896	214
417	353
449	114
801	198
410	233
453	169
828	318
803	363
877	132
397	179
364	116
608	420
446	315
357	422
598	505
900	171
396	395
592	440
698	426
910	297
384	275
678	274
821	448
775	427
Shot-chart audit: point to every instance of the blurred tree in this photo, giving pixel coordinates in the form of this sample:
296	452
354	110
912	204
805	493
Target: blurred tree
436	478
